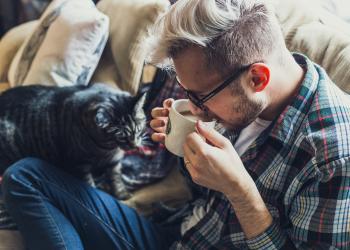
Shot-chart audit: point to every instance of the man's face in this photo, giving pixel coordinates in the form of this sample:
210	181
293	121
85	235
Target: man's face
231	106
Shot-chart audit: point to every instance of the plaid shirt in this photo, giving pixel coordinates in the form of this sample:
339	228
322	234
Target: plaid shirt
301	166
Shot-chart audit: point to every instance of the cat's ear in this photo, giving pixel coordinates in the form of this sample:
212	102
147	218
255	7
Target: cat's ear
140	102
102	118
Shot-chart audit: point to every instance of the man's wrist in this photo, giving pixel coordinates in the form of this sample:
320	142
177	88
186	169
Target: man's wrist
250	210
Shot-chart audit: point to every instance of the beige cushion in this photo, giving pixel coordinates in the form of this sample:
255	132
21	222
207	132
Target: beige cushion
129	22
334	22
10	43
64	48
4	86
293	13
327	47
106	69
172	191
321	36
11	240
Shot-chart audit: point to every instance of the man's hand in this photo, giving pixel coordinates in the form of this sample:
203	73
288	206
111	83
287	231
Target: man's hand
213	162
160	120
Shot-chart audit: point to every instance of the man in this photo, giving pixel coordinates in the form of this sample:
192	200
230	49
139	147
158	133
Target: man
284	182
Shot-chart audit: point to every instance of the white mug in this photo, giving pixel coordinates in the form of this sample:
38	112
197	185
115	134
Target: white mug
180	123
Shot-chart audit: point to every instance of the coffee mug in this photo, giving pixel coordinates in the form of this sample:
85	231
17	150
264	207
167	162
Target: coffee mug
181	122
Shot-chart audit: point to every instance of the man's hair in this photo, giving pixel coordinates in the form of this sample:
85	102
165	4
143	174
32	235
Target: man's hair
232	33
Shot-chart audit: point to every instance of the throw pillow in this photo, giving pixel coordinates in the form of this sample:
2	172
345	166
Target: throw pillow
129	23
65	47
10	43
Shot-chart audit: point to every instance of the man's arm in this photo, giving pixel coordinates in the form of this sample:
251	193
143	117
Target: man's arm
250	209
319	210
319	213
216	165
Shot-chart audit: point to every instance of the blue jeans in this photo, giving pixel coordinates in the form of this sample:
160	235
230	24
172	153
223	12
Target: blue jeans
54	210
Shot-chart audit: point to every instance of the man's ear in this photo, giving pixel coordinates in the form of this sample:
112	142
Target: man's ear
260	76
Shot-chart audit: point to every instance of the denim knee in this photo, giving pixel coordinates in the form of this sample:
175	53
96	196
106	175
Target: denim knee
19	172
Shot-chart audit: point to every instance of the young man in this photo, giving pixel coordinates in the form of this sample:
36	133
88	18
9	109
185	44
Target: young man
282	182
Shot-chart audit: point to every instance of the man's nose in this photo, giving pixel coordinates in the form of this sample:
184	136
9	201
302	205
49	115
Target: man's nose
195	110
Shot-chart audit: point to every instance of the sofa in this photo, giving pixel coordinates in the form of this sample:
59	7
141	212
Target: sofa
307	27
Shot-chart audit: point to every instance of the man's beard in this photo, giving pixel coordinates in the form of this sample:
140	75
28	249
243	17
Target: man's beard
247	109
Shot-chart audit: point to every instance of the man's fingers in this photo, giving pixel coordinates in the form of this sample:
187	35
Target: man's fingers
168	102
189	159
189	154
158	137
160	116
214	137
196	143
160	130
157	123
159	112
164	111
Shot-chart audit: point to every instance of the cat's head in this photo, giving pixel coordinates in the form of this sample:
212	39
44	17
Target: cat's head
116	119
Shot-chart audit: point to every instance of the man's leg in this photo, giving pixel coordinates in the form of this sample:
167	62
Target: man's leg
56	211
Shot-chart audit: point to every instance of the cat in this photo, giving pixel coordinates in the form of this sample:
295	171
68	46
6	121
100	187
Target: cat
83	130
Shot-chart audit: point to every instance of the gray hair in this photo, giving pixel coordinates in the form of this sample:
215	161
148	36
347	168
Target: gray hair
232	33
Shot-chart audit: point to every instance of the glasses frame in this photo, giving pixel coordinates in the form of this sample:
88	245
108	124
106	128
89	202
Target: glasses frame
199	102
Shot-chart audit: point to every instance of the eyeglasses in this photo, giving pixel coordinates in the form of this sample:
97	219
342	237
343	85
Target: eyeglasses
199	102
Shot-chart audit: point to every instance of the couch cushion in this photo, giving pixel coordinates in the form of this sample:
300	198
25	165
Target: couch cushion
11	240
129	22
293	13
329	44
10	43
4	86
65	47
327	47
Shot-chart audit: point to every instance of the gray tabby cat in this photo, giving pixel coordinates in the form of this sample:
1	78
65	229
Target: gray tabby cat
79	129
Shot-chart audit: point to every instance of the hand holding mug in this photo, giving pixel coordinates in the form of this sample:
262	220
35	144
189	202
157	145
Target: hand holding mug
160	120
173	123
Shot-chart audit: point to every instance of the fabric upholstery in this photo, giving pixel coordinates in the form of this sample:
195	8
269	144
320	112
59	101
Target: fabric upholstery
307	29
4	86
10	43
11	240
294	13
335	47
313	31
65	47
129	22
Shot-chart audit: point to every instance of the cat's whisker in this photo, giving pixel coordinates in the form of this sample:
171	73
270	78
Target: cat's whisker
144	134
147	139
149	144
